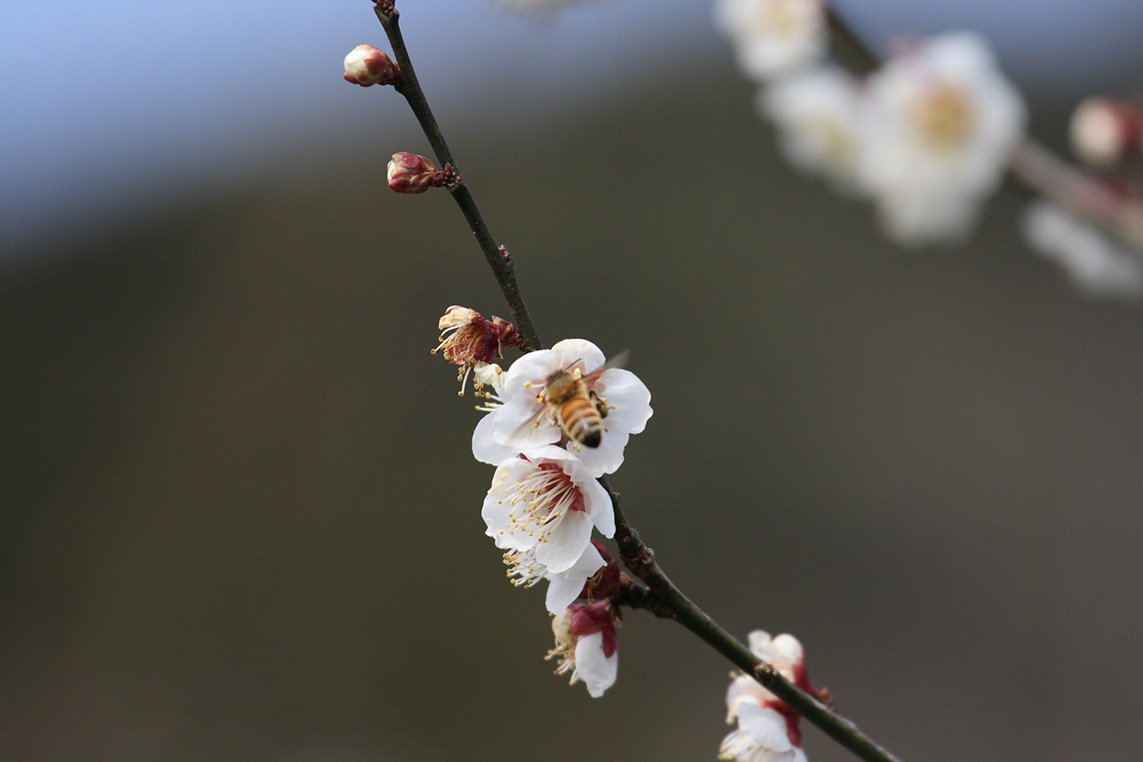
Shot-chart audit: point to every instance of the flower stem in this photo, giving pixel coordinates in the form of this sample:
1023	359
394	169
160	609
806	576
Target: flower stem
498	258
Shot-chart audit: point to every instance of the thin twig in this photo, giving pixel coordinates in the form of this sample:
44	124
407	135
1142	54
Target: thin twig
660	595
502	266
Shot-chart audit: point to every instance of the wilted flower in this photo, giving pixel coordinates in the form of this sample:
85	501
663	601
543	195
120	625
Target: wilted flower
521	419
1102	131
817	113
587	645
773	37
940	123
366	65
469	340
1094	264
767	727
546	502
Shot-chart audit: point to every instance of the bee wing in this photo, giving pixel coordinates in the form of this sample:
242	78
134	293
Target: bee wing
618	361
535	421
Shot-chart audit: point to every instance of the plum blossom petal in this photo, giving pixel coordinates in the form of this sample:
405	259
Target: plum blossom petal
587	645
565	587
597	671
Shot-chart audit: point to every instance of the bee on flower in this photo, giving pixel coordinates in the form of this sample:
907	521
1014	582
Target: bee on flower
566	394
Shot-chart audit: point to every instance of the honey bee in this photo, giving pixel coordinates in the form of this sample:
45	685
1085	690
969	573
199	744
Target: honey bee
569	400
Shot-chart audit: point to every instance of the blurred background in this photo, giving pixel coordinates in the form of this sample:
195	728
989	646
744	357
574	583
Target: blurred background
239	517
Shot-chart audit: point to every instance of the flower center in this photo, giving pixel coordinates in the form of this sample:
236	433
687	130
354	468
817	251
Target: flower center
541	499
944	118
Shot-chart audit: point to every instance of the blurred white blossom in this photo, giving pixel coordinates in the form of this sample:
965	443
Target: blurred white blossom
773	37
1094	264
940	121
767	727
817	115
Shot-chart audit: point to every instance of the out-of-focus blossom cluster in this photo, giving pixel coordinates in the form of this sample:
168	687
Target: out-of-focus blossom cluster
1095	265
767	727
926	137
556	420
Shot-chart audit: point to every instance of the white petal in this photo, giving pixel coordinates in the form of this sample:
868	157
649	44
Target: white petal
629	397
608	457
764	726
566	543
744	690
598	504
529	373
485	448
565	587
597	671
579	349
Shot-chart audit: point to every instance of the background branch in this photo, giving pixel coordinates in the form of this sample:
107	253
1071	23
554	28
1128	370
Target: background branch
1031	165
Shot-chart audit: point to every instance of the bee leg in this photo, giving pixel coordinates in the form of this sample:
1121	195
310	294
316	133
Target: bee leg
600	404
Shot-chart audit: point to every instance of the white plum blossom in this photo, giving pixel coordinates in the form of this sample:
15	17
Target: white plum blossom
773	37
817	113
940	122
520	420
544	506
1094	264
587	645
767	727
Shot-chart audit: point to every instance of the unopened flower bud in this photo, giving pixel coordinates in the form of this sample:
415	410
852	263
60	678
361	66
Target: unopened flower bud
410	173
366	65
1102	131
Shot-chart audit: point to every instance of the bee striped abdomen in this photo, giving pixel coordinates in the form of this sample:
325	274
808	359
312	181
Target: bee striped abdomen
581	420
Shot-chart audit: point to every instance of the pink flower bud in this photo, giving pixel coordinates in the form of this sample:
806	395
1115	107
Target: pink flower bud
1102	131
366	65
410	173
